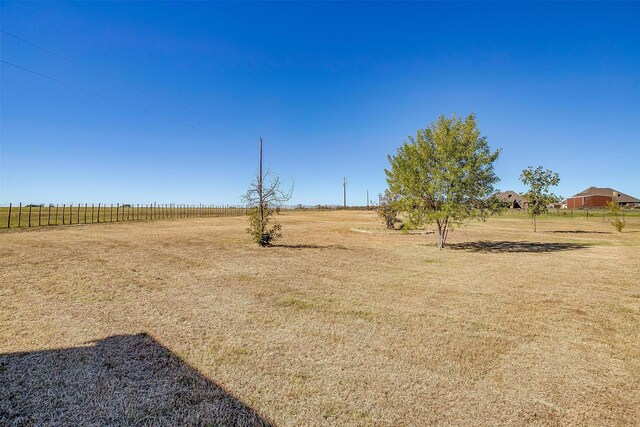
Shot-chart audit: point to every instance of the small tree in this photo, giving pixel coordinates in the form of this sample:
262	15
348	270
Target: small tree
388	208
538	196
444	175
615	210
263	201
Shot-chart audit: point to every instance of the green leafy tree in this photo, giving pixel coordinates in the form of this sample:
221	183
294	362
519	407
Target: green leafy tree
444	175
538	196
615	210
388	208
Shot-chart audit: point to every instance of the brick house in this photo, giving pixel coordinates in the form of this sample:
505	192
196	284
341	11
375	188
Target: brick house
594	197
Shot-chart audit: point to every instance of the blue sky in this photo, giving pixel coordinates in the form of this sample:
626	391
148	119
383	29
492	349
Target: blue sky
331	87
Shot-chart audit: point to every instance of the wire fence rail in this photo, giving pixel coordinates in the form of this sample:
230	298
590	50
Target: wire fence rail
593	213
39	215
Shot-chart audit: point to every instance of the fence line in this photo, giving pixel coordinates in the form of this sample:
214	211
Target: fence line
593	213
75	214
37	215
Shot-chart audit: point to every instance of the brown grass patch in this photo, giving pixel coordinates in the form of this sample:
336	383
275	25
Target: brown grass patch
329	327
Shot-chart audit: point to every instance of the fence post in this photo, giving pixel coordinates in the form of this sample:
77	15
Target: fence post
63	209
9	217
85	213
19	214
29	221
39	215
71	214
49	217
78	220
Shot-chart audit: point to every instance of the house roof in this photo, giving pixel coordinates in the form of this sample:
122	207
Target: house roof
509	196
606	191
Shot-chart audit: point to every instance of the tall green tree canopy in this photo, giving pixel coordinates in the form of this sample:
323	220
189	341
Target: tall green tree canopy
538	196
445	175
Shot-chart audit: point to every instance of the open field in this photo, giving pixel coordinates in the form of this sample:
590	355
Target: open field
344	323
90	214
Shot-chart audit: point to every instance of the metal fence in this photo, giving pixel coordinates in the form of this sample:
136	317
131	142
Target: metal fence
37	215
588	214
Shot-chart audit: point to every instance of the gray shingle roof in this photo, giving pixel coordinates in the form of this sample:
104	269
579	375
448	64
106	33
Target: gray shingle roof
510	197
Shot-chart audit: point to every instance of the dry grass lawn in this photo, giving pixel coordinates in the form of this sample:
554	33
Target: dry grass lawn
186	322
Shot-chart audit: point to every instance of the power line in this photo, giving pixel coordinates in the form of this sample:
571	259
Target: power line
115	79
113	99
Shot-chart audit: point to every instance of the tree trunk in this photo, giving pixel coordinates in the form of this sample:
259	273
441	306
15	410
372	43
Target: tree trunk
442	236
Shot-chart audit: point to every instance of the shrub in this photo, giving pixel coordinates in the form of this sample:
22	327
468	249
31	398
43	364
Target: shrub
615	210
388	209
262	227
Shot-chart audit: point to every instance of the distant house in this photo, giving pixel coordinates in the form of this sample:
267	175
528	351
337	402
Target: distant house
512	199
594	197
558	205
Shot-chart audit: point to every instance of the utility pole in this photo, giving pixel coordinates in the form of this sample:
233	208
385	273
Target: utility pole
260	204
344	192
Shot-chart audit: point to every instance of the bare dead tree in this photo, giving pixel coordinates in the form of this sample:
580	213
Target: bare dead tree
263	199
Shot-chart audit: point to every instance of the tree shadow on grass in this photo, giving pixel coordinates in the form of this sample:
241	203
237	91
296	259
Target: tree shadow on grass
580	232
119	380
310	247
505	246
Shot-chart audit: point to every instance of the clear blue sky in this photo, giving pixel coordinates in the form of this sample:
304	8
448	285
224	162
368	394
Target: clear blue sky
332	88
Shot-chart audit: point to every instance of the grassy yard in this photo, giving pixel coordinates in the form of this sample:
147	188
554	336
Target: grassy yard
342	323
